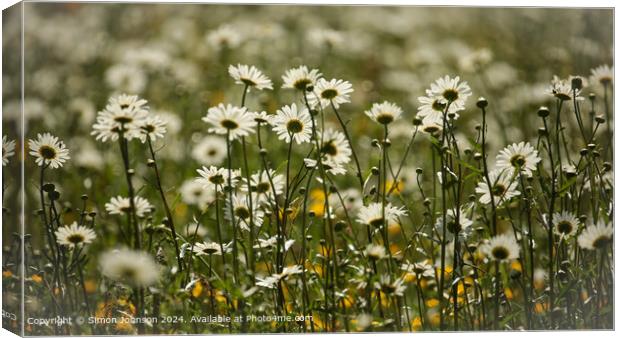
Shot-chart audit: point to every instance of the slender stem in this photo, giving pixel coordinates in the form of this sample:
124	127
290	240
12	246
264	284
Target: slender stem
170	222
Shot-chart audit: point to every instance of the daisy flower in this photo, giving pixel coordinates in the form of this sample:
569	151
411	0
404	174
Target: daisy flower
332	91
292	123
241	210
562	89
432	109
501	248
450	91
419	269
431	127
74	235
261	186
210	248
330	166
8	149
249	76
300	78
372	214
291	270
214	176
269	282
375	252
210	150
224	36
272	242
121	205
194	193
152	127
136	268
391	287
602	74
335	147
230	120
464	221
502	189
565	223
262	117
596	236
521	157
48	151
272	281
384	113
123	114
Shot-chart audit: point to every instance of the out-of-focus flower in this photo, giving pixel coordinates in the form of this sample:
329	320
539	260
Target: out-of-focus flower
501	248
128	266
210	150
596	236
602	74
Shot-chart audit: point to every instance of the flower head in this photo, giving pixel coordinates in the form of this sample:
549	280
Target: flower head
603	74
596	236
249	76
292	123
210	248
263	184
375	252
122	205
210	150
450	91
8	149
391	287
502	188
335	147
223	37
565	223
501	248
213	177
152	127
124	114
563	89
521	157
194	193
242	212
372	214
74	235
432	109
128	266
48	151
384	113
333	91
300	78
231	120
